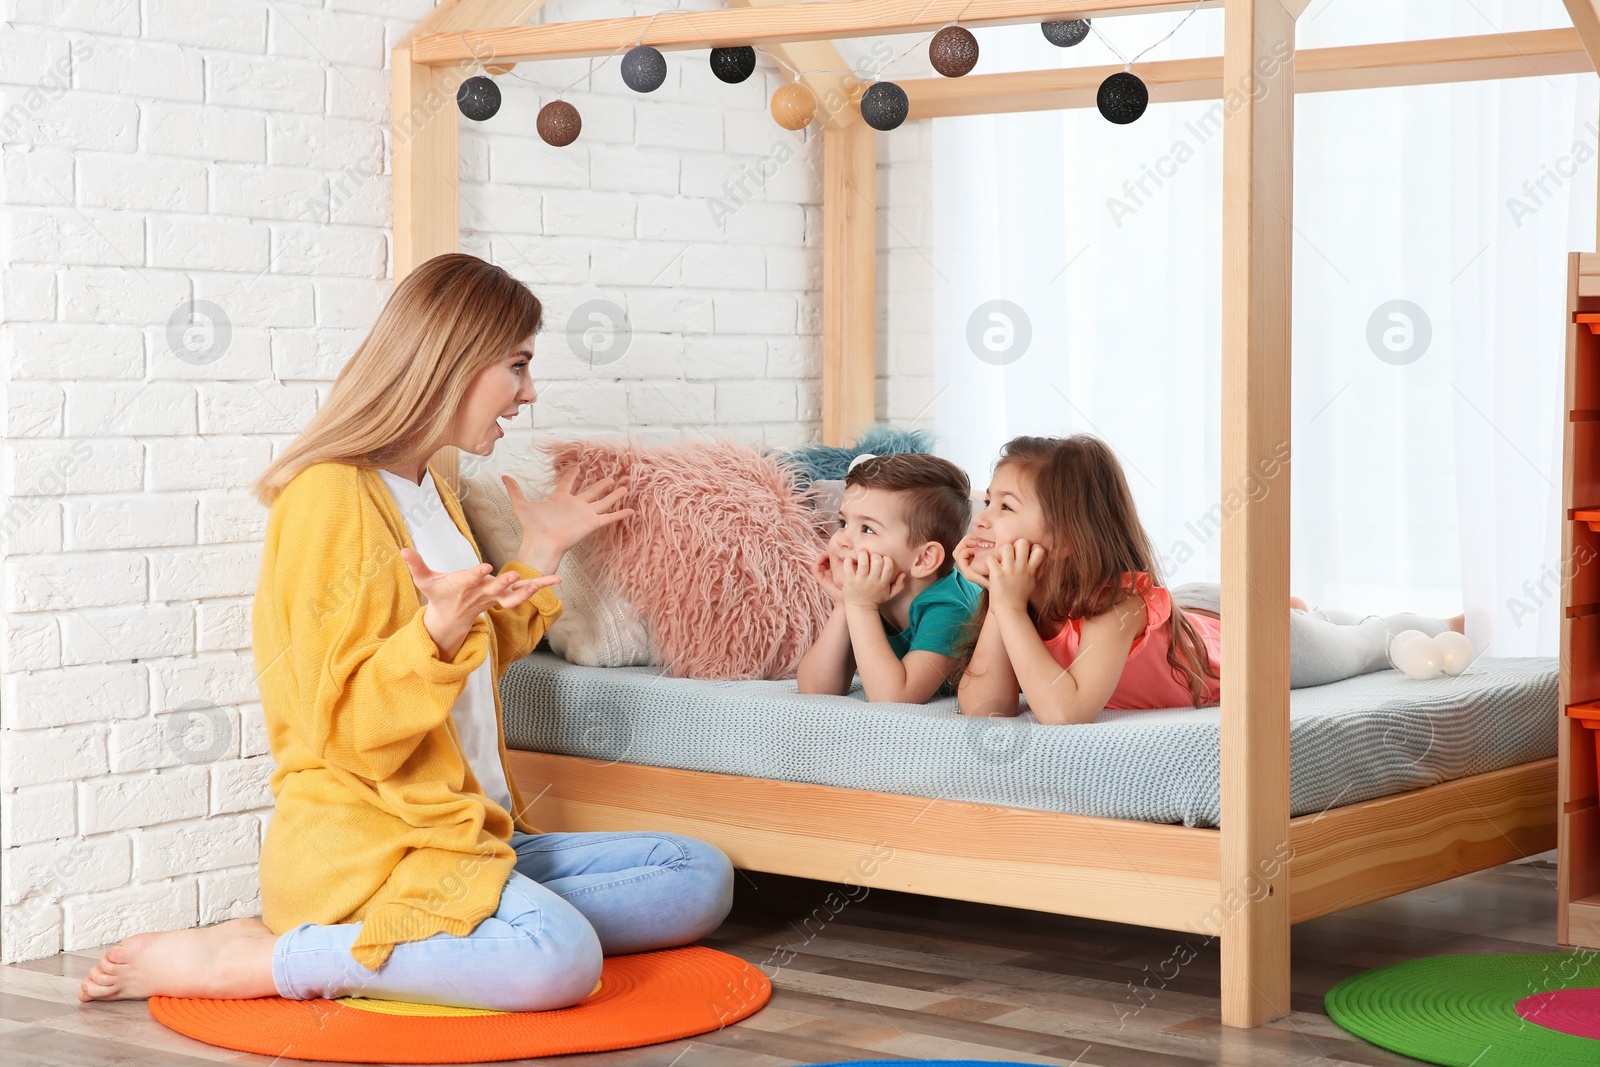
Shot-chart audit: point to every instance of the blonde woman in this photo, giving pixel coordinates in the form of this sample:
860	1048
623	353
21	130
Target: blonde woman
397	863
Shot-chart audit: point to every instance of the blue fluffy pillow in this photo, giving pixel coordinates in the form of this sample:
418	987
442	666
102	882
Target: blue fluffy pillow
830	462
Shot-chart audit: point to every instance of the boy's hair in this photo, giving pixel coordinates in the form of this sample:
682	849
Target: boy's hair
939	496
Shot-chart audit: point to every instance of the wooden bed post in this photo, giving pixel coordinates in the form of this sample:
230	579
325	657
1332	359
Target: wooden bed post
1585	15
849	281
425	153
1257	188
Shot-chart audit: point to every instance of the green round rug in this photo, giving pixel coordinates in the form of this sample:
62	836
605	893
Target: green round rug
1460	1011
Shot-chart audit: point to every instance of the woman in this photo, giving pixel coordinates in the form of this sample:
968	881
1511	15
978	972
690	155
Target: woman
397	863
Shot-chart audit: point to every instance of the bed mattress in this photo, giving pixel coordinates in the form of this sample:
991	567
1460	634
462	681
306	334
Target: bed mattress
1350	741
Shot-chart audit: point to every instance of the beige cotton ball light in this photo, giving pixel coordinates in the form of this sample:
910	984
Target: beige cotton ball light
793	106
1416	654
1456	652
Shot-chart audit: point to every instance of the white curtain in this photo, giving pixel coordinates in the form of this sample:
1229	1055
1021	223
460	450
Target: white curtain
1424	478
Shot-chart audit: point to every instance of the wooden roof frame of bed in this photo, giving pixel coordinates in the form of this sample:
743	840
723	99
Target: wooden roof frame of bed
1233	883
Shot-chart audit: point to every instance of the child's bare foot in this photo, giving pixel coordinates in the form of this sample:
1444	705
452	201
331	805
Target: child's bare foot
232	960
1458	623
1297	604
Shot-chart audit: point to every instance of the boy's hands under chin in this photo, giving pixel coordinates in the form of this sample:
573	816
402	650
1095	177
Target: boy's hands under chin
1013	573
822	571
868	579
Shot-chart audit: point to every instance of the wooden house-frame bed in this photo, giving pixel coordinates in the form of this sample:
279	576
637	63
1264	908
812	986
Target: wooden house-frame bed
1237	882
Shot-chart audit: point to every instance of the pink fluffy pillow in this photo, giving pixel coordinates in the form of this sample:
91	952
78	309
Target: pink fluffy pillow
716	560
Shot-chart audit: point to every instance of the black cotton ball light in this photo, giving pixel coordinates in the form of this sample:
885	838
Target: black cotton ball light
953	51
1122	97
478	98
1065	34
733	65
644	69
884	105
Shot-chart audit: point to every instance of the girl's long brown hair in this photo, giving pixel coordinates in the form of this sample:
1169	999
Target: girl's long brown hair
392	403
1088	507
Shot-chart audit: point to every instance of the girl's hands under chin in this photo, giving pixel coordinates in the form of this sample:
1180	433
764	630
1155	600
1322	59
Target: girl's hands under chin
1013	573
966	559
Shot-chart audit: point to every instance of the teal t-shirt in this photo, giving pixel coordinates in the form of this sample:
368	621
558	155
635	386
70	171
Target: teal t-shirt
938	617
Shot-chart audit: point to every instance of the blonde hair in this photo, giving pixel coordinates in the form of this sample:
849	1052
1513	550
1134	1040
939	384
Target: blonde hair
393	402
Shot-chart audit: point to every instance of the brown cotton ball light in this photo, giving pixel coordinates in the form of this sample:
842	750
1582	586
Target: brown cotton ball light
793	106
559	123
953	51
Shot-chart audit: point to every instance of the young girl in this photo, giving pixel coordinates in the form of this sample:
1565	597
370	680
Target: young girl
1074	612
399	862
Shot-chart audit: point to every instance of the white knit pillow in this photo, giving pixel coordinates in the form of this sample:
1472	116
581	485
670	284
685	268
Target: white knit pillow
597	627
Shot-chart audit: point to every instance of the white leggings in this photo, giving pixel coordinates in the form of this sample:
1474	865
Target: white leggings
1325	644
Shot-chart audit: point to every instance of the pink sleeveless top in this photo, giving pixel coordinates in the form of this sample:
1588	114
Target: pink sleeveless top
1148	680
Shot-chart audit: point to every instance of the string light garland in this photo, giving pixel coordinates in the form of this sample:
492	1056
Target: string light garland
952	52
1123	97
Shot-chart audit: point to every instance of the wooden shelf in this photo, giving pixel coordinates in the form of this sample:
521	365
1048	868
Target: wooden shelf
1583	917
1578	787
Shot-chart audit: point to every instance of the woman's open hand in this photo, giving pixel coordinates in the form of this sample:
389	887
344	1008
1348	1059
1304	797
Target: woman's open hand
457	598
558	522
1013	572
870	579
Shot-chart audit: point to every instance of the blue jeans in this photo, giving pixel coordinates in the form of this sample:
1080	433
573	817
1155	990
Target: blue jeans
572	899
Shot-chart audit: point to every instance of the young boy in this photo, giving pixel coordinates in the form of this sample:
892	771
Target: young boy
900	607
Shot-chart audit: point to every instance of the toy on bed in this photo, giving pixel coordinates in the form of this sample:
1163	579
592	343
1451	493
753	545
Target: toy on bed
1420	656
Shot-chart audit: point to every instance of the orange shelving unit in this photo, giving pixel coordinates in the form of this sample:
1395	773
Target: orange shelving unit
1578	835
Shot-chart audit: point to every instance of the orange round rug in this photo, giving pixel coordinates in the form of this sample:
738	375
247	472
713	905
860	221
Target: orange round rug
643	999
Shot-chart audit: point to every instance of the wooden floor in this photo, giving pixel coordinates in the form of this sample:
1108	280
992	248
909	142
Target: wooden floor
898	976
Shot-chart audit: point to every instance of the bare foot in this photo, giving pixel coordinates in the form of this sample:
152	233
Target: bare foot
1458	623
232	960
1297	604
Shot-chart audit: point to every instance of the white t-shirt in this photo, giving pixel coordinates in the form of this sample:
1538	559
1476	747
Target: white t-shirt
443	548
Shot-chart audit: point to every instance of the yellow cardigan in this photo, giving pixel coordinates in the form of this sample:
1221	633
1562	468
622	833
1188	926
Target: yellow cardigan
377	817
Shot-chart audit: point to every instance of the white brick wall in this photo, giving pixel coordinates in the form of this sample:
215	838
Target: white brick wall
236	152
